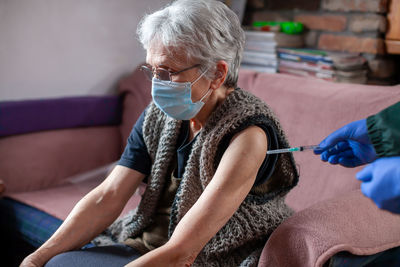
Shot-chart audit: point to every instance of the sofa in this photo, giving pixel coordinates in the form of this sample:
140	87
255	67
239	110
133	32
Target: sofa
49	169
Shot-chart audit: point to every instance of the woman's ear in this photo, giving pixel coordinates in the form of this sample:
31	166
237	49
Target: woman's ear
220	74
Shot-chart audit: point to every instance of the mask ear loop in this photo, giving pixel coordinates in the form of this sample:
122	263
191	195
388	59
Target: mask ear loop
198	78
209	89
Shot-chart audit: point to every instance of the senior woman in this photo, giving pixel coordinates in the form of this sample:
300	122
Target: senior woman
213	195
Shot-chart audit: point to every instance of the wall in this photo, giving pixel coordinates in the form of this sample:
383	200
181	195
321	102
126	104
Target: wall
67	48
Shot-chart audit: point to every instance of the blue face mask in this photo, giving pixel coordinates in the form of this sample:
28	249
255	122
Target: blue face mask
174	98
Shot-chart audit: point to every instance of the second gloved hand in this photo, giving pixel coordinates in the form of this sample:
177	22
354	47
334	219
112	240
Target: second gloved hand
348	146
381	183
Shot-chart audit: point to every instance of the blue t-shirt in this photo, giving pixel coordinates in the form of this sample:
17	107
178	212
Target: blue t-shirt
135	155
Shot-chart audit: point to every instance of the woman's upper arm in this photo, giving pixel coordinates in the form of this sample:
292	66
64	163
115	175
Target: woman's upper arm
230	185
243	157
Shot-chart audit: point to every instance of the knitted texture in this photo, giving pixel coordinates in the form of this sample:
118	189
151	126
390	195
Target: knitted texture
240	241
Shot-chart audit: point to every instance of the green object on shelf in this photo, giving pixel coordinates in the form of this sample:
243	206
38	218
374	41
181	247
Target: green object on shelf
288	27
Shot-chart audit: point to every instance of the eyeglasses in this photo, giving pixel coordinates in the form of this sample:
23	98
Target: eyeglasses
162	74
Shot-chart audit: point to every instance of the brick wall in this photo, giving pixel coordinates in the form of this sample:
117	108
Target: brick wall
337	25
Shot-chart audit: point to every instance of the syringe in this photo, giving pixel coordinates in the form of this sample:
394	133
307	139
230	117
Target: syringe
291	149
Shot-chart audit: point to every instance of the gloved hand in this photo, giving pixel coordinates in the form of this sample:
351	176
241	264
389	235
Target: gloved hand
381	183
348	146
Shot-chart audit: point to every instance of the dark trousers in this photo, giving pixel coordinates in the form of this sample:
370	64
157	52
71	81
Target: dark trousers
110	256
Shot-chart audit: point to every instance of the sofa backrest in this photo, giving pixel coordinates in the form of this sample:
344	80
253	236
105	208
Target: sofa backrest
309	109
44	141
136	89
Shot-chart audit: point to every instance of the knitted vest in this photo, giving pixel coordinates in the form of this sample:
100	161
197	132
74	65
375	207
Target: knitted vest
240	241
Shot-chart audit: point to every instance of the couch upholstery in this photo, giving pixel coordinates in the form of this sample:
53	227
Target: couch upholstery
331	213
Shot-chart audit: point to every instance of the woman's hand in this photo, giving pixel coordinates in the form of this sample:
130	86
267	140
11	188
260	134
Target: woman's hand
33	260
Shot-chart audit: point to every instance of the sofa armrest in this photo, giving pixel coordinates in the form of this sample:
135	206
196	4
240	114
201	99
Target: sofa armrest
42	159
350	223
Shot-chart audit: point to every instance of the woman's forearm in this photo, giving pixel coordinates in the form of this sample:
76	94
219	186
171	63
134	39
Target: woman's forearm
90	217
92	214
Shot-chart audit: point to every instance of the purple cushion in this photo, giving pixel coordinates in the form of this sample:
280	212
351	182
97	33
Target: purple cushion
18	117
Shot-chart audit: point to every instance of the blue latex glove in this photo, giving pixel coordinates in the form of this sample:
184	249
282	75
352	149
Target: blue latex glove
348	146
381	183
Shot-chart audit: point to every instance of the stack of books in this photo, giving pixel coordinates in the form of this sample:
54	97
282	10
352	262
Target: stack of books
260	52
306	62
331	66
349	67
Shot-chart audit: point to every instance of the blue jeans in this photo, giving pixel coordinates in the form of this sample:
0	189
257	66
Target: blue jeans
110	256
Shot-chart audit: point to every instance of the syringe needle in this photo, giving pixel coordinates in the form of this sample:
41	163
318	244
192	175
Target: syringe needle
291	149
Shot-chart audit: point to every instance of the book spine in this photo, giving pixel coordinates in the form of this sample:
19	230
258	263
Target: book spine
258	68
315	59
260	36
305	66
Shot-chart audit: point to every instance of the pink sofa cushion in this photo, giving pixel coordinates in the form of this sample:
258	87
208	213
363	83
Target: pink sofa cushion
33	161
309	109
66	195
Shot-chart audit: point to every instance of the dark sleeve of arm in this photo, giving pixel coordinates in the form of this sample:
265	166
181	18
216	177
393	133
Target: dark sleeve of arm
384	131
268	165
135	155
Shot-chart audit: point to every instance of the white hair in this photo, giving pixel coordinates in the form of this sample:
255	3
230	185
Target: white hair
206	30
